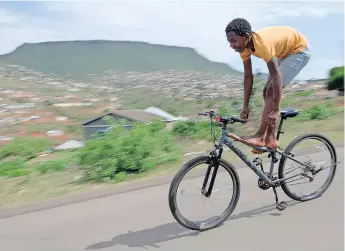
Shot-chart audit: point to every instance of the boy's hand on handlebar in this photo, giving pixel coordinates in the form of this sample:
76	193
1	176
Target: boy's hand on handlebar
244	113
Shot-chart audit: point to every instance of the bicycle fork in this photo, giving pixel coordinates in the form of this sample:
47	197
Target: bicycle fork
213	165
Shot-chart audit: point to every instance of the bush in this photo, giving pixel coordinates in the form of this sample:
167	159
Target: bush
193	129
52	166
336	70
317	111
336	81
121	151
48	102
14	168
26	148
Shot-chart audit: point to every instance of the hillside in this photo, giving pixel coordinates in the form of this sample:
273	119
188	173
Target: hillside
79	58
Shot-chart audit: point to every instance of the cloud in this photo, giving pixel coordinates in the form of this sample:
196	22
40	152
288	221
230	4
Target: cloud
198	24
16	29
312	9
6	17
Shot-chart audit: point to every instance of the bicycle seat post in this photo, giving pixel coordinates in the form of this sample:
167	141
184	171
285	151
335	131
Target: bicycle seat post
280	126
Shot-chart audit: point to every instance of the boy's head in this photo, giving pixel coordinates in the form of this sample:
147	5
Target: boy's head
238	33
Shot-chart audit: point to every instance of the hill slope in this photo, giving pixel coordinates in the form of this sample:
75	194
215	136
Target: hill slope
78	58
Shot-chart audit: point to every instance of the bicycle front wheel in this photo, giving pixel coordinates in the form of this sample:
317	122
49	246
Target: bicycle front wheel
225	191
320	155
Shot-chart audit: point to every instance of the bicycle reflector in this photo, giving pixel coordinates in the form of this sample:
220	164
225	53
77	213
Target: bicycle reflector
218	119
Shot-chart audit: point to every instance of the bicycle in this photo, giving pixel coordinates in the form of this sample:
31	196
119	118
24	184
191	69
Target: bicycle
266	179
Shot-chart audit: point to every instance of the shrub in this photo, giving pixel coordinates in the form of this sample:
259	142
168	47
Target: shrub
122	151
26	148
336	80
336	70
14	168
52	166
48	102
336	83
317	111
194	129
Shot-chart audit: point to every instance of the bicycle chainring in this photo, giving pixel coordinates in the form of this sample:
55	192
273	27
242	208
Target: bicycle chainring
263	184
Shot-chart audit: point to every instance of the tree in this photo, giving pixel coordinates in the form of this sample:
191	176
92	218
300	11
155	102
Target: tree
336	79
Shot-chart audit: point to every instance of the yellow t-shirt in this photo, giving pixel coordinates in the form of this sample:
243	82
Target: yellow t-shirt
275	41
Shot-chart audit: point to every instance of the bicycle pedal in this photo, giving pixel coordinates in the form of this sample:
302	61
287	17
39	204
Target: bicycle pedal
281	205
257	161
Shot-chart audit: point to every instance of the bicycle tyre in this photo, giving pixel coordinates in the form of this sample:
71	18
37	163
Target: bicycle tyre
176	181
292	144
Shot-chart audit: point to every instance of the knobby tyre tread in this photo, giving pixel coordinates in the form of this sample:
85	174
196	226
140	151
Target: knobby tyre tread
291	145
176	181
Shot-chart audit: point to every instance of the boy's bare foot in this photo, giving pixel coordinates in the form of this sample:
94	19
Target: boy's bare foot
271	143
235	137
249	137
256	135
259	141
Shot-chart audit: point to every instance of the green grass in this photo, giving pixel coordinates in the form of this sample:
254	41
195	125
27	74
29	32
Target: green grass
304	93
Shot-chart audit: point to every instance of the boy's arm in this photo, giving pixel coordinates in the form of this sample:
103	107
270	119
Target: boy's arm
274	71
268	54
276	83
248	81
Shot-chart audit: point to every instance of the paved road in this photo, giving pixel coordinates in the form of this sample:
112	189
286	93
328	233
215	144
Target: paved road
141	220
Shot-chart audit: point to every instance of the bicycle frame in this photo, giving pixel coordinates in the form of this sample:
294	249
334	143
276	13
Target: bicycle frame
233	147
268	178
225	140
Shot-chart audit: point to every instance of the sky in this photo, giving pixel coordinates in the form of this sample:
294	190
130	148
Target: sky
196	24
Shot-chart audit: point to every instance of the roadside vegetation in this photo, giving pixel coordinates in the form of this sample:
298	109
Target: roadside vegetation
121	155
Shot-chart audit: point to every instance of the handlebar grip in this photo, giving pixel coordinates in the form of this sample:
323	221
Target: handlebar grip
211	113
238	120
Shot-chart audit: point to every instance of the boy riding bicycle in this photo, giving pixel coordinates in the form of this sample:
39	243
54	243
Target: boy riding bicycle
286	52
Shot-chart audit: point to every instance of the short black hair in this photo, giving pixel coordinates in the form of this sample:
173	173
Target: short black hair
240	26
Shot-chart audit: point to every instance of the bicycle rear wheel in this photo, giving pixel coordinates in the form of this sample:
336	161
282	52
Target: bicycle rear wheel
212	222
326	159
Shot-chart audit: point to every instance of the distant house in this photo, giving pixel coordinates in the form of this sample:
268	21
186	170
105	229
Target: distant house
99	124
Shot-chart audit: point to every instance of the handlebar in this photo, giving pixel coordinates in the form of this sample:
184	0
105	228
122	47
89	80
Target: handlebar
230	119
210	113
221	119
